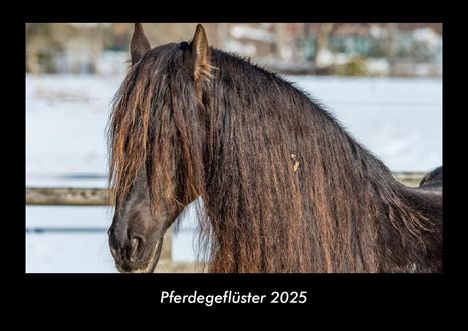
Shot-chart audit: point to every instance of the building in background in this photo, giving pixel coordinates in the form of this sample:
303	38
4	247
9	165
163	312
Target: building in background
350	49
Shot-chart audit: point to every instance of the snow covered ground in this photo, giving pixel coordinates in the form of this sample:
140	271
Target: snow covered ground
399	120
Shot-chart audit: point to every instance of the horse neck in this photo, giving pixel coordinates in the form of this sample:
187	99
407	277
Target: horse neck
338	209
406	222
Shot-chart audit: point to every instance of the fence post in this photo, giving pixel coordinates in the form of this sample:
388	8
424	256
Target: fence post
165	259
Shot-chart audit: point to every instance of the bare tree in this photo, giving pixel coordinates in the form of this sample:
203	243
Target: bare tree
321	41
391	46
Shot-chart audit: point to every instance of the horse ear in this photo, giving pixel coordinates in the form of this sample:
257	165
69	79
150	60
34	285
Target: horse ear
140	44
198	59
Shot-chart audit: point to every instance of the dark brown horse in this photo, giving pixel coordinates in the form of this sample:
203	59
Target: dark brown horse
284	187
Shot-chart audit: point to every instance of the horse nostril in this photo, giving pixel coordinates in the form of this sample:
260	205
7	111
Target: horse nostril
134	244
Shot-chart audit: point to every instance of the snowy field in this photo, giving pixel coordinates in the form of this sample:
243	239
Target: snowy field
399	120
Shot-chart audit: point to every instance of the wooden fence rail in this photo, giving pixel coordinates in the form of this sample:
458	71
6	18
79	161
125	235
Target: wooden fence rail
67	196
99	197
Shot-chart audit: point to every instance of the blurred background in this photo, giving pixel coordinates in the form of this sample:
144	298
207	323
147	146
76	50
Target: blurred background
383	81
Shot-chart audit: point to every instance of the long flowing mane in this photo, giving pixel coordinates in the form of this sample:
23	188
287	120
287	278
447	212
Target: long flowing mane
285	188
